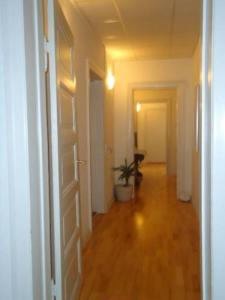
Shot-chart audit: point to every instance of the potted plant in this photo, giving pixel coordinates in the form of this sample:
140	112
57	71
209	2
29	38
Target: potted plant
124	191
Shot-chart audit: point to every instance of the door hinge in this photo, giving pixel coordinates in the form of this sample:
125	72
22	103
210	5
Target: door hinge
46	50
53	289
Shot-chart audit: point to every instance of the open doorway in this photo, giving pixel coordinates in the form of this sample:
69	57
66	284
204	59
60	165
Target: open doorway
154	125
96	142
178	133
151	241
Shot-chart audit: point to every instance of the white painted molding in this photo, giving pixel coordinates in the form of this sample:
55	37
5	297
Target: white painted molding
43	152
205	151
89	147
90	65
96	69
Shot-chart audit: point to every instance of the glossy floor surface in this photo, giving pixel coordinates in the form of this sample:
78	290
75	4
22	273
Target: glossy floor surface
147	249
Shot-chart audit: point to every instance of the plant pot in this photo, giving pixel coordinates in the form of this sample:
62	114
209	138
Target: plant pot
123	193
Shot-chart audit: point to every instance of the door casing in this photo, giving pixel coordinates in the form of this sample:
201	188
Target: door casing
90	66
183	177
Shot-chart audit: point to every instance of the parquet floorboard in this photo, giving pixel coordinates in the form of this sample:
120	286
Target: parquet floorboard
147	249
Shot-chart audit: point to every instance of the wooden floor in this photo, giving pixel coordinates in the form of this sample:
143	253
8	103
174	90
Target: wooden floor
147	249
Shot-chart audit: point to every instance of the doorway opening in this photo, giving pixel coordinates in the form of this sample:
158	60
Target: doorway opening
156	229
154	125
136	215
96	142
174	95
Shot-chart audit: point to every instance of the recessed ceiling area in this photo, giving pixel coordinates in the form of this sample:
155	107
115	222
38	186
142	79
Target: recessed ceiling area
145	29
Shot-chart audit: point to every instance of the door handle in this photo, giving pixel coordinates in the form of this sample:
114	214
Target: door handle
81	162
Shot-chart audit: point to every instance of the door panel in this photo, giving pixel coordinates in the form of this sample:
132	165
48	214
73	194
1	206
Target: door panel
66	201
152	131
97	141
155	134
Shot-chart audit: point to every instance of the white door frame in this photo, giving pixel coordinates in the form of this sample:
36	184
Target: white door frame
206	264
18	193
90	66
183	189
24	186
213	150
169	104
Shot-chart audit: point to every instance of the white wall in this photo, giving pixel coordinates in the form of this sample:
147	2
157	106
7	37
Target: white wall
22	126
109	136
152	131
144	72
87	46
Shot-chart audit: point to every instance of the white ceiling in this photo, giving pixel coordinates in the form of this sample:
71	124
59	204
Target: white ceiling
145	29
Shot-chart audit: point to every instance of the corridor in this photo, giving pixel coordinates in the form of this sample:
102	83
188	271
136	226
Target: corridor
147	249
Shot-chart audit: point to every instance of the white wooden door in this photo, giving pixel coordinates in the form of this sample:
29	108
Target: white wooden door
66	211
97	146
152	131
155	134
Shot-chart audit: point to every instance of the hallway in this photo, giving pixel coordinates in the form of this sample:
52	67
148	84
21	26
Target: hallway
147	249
